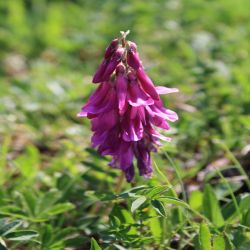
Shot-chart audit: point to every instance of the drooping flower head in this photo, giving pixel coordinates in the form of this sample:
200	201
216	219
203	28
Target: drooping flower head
125	110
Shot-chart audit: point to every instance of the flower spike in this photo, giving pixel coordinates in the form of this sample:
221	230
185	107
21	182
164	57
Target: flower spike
126	109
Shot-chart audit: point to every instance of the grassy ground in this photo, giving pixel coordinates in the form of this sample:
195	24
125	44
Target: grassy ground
57	193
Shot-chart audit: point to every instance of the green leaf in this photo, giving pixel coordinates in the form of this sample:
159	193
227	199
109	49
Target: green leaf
245	202
137	189
228	243
4	148
195	199
222	189
219	243
211	207
244	246
87	220
56	246
46	235
125	217
65	233
28	162
196	241
229	210
29	201
3	221
2	245
16	214
77	241
94	245
159	207
48	200
9	227
137	203
173	200
155	224
156	191
119	247
132	192
60	208
114	221
205	237
246	219
22	235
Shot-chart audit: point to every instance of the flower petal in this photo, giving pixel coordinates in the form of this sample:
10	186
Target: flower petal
125	155
105	121
136	96
98	138
143	159
121	87
104	105
130	173
161	90
159	110
159	122
147	84
132	129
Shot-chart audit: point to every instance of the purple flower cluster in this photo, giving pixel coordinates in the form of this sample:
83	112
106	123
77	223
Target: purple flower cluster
125	109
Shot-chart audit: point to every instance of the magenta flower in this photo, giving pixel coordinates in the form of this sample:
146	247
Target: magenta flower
125	110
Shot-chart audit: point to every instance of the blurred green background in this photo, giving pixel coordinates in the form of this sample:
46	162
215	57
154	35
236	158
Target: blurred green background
49	50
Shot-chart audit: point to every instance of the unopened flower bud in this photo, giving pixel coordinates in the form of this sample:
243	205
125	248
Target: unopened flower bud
132	76
114	61
98	76
133	58
120	69
111	48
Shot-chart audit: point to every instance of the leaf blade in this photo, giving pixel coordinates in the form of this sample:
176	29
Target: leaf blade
137	203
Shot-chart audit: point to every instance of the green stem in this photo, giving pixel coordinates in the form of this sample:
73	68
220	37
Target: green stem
230	190
178	176
235	161
117	189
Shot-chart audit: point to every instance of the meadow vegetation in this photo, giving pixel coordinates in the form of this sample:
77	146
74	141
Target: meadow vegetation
58	193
